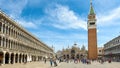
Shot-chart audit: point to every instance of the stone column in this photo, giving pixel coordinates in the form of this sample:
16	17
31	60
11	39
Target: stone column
6	29
4	42
14	32
36	58
21	58
9	58
10	44
2	28
3	58
9	30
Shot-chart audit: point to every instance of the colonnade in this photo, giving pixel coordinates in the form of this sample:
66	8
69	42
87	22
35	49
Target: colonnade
17	45
12	58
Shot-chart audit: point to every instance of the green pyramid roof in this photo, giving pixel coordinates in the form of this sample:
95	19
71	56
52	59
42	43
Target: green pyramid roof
91	10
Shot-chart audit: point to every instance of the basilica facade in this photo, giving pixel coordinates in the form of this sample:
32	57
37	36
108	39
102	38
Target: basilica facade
73	53
18	45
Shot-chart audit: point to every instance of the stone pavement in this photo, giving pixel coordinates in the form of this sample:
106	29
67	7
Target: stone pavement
92	65
27	65
63	65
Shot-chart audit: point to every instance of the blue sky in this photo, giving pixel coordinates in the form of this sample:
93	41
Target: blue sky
62	22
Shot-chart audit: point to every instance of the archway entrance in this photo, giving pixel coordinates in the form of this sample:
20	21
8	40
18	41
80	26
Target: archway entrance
72	54
40	57
20	56
32	58
64	56
23	58
16	58
12	58
7	58
81	56
67	56
77	56
1	57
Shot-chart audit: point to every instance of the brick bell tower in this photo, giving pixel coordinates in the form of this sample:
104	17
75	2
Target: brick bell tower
92	34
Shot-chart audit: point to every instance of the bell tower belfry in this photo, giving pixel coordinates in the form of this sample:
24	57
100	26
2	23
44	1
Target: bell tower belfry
92	33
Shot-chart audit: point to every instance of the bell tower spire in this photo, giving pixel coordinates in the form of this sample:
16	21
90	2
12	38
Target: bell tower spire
90	1
91	17
91	8
92	34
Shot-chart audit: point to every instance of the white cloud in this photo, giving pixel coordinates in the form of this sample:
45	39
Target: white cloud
64	18
28	24
110	18
108	23
14	8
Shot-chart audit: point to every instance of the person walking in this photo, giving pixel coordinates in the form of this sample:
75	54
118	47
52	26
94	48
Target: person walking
51	61
45	60
55	63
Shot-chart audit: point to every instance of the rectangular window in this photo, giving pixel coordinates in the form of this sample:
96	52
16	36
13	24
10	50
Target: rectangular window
99	50
92	23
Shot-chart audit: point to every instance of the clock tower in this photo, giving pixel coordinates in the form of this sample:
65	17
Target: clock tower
92	34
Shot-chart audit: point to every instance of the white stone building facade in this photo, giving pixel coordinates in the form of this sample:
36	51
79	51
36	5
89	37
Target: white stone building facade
17	45
112	49
100	52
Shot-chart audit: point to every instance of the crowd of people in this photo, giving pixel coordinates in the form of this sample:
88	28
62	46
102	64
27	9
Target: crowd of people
102	60
53	61
85	60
